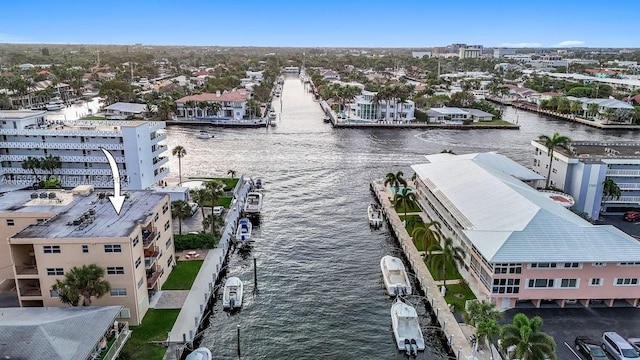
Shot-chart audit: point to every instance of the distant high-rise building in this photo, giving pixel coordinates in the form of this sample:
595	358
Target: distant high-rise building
501	52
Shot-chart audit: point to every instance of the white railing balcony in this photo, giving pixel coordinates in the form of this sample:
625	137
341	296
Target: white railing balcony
624	200
63	146
162	173
158	138
157	125
65	159
122	335
629	186
159	150
160	161
66	132
623	172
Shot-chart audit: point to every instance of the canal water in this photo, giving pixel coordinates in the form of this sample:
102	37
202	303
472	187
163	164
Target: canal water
320	293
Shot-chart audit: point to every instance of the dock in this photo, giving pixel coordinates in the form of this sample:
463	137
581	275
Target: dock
254	123
456	338
201	297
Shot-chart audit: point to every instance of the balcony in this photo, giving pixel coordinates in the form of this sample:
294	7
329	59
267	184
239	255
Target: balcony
160	149
160	174
148	238
50	145
623	172
117	339
29	288
157	125
160	161
66	159
159	137
149	262
624	200
152	277
26	271
629	186
60	132
152	251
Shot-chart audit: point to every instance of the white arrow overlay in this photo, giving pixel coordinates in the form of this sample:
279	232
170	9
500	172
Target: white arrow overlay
117	200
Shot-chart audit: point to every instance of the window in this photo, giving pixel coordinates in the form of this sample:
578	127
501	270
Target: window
115	270
168	244
112	248
165	208
40	221
138	262
140	283
540	283
554	171
166	226
599	264
630	263
626	282
85	249
51	249
169	261
155	218
542	265
10	222
513	268
506	286
118	292
569	283
54	293
595	282
136	241
55	271
571	265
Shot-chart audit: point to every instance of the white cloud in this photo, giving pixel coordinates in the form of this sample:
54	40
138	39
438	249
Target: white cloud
521	45
568	43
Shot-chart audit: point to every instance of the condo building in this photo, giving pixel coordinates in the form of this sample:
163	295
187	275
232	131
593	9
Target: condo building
51	232
523	247
582	169
135	145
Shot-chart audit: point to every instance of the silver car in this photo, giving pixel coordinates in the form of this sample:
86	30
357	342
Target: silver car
618	347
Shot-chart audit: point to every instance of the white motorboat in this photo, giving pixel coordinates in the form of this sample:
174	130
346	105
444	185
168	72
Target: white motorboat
253	205
204	135
326	119
201	353
272	115
243	232
396	278
406	328
232	296
55	104
375	215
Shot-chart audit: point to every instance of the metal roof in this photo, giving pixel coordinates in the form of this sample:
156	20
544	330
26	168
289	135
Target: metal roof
608	103
127	107
52	333
509	221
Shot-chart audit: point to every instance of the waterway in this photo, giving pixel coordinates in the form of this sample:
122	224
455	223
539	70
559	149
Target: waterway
320	288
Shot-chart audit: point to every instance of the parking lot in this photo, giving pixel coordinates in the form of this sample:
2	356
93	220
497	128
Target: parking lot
565	324
631	228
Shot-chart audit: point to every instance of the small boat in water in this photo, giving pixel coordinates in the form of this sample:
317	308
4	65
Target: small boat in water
396	278
406	328
232	296
253	205
201	353
257	185
55	104
272	115
204	135
243	232
375	215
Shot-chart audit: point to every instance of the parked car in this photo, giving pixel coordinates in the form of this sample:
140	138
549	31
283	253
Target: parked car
635	342
618	347
632	216
217	210
590	348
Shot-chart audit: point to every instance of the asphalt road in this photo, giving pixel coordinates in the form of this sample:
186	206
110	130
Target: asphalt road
565	324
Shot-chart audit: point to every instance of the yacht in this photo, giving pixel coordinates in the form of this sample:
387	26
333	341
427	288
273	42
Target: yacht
243	232
406	328
253	205
55	104
232	296
201	353
375	215
204	135
396	278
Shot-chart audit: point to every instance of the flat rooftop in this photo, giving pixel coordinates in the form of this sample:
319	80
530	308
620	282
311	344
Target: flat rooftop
68	209
607	149
19	114
92	125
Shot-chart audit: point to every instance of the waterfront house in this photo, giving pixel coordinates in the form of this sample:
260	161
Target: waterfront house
521	247
50	234
135	146
123	111
364	107
582	170
233	105
330	75
453	115
609	110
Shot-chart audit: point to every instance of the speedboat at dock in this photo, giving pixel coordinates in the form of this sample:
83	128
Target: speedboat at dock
406	328
253	205
243	232
396	278
375	215
232	296
201	353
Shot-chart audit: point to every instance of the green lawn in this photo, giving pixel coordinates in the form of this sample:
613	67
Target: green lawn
229	183
412	222
222	201
451	272
458	294
155	326
183	275
493	122
411	207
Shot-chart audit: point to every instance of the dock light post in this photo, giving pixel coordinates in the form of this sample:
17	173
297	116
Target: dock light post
239	342
255	275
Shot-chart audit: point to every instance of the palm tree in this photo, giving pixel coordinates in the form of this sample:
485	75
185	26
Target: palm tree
487	331
556	140
180	152
428	234
593	109
529	342
200	197
32	164
610	190
610	114
81	284
180	210
203	106
451	254
215	190
50	164
575	106
215	107
404	197
478	311
231	173
395	180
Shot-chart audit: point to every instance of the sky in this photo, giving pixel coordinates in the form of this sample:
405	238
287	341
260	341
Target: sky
324	23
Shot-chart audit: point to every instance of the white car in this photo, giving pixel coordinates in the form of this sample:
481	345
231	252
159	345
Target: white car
217	210
618	347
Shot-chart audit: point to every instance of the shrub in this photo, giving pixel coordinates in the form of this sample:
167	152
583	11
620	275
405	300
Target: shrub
194	241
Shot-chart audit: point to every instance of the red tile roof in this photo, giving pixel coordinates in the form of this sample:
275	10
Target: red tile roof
601	71
230	96
635	99
201	73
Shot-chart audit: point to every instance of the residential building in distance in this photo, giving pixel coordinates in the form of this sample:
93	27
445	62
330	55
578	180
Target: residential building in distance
582	170
622	111
501	52
522	247
453	115
125	111
233	105
81	227
135	145
62	333
364	108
